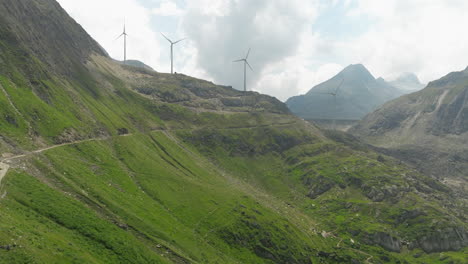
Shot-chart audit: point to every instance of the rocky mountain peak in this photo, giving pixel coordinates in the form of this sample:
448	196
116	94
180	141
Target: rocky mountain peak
356	72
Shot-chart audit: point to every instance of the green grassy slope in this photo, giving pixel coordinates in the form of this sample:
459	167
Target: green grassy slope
148	198
351	191
143	199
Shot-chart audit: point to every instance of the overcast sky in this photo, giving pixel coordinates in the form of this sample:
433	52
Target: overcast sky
296	44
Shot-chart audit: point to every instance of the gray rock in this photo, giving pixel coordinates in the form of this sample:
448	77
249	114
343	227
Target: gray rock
449	239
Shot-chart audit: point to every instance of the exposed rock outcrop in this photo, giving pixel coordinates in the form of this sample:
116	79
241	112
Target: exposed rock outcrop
449	239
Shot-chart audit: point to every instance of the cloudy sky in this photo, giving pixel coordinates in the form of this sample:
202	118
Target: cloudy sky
295	44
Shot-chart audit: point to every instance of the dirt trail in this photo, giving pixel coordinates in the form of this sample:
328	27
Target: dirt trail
4	162
3	170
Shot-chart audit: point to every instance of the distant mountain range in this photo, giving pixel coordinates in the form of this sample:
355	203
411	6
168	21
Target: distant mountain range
359	93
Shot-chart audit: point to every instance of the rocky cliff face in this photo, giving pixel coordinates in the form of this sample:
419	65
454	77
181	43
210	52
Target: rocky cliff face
449	239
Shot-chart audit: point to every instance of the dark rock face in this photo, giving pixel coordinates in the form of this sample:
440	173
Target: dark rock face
386	241
317	186
450	239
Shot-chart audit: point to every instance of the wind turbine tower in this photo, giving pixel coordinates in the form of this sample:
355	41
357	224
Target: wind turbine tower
124	34
246	63
334	94
172	50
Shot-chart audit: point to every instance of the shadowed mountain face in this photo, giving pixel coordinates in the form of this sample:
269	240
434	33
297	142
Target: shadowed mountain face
40	31
428	128
109	163
359	94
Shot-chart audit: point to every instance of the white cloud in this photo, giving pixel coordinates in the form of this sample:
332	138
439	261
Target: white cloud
225	31
426	37
168	8
143	41
298	73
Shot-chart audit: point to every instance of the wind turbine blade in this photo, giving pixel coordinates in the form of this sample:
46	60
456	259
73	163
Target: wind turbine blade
119	36
338	88
166	38
239	60
179	40
248	64
248	53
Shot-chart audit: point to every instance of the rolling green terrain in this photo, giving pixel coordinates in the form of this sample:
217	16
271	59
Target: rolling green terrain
116	164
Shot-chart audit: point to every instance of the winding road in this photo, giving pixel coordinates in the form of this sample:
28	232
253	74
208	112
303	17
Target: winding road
5	162
5	166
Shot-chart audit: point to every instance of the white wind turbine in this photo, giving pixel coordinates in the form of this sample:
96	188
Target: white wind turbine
246	63
172	50
334	94
124	34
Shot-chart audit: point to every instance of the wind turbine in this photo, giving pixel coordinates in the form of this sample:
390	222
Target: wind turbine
172	50
246	63
334	94
124	34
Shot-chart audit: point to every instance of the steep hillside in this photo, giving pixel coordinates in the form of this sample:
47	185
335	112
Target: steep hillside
428	128
109	163
359	93
40	27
